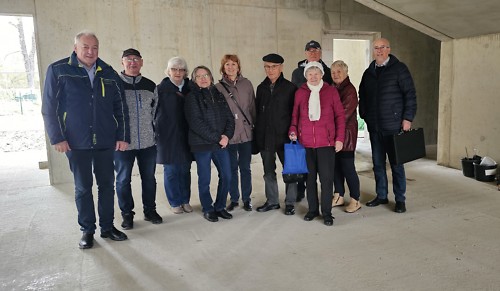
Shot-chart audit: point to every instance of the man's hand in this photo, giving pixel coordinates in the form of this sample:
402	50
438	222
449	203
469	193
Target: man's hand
121	146
62	147
406	125
292	136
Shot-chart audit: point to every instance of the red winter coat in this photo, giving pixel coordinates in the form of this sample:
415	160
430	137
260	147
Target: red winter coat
331	125
349	99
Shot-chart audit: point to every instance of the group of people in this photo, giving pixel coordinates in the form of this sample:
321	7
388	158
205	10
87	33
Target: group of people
104	121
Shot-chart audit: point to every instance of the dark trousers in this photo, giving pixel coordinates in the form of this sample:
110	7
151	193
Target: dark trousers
320	161
345	171
271	182
124	163
240	156
380	145
82	163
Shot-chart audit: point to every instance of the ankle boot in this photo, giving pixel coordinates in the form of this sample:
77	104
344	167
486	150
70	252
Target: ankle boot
337	200
353	206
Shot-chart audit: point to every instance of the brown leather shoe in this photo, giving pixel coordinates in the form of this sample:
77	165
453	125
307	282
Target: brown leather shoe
353	206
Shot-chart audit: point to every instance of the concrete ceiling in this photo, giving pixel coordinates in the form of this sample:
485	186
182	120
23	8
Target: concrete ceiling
443	19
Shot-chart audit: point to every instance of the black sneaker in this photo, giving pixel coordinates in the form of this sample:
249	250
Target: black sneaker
232	205
289	210
153	216
128	220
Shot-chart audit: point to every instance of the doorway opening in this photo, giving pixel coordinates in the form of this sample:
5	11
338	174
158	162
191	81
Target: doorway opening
22	136
354	48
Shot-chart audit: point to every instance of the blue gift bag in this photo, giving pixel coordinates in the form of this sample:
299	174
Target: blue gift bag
295	159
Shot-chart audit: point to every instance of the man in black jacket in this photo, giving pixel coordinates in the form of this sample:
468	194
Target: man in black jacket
387	103
274	105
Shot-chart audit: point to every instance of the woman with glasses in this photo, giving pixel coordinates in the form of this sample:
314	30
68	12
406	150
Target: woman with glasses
172	136
240	97
211	126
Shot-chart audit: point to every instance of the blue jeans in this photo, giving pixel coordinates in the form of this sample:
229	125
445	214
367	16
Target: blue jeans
221	160
81	163
240	156
124	162
380	145
177	182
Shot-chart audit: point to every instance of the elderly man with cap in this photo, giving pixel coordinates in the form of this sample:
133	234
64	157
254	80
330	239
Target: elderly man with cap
142	100
313	54
274	105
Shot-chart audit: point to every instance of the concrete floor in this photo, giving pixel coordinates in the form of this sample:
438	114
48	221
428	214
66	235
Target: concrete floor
448	239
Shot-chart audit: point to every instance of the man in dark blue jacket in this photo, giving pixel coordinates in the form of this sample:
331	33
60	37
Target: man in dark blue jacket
388	104
86	118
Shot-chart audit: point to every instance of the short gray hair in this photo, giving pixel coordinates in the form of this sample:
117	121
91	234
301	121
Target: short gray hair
85	33
177	62
342	65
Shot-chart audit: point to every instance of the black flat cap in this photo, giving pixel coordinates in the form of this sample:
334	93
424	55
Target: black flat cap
273	58
131	52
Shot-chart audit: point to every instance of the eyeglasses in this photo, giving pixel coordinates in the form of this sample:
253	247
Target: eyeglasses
313	51
272	67
134	60
178	70
376	48
204	76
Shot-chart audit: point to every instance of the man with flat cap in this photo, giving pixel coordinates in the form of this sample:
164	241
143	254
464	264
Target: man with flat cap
142	99
274	104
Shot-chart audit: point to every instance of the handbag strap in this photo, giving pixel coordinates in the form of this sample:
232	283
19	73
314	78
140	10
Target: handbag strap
236	102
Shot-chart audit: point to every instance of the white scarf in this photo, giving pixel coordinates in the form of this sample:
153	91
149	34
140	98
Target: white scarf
314	104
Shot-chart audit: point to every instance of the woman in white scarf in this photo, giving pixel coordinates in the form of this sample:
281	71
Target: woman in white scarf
318	122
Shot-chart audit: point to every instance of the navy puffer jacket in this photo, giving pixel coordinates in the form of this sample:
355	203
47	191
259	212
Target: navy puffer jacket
386	100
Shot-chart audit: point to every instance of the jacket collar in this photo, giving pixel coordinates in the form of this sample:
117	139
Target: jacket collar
130	79
100	64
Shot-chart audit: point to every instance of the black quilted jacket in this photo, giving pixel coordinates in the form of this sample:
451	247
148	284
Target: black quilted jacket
208	116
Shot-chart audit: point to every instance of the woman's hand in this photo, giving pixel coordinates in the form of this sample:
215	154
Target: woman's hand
338	146
224	140
292	136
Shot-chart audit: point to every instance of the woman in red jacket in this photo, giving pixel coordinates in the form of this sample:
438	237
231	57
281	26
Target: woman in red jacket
345	169
318	121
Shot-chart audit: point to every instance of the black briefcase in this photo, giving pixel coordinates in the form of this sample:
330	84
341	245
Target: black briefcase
407	146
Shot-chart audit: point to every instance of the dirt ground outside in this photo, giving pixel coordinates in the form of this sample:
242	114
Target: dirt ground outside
21	131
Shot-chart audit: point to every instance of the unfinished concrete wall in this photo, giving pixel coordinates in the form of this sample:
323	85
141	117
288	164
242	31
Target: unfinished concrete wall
202	31
469	102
